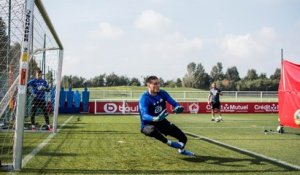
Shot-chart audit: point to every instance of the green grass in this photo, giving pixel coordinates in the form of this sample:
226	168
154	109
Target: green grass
103	144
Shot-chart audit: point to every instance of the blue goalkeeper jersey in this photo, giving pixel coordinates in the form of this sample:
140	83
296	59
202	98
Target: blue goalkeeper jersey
151	106
36	85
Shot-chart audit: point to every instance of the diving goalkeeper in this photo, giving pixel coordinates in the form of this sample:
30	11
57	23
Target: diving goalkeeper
153	113
39	88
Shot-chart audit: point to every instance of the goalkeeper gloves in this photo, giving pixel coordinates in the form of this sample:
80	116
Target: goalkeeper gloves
33	95
161	116
41	88
178	109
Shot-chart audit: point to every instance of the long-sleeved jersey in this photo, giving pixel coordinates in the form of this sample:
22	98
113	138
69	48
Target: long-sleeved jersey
38	88
151	106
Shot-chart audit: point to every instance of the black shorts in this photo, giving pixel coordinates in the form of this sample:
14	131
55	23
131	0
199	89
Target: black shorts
39	103
215	105
164	127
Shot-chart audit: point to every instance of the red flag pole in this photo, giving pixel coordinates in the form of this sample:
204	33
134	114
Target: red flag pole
280	127
282	70
281	56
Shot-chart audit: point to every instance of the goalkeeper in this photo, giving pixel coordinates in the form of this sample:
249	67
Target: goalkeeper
39	89
153	113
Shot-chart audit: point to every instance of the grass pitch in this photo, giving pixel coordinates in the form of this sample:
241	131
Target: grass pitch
99	144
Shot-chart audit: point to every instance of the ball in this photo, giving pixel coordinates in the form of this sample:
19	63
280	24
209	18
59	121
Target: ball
297	117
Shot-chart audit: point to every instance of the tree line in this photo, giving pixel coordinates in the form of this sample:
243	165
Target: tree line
195	77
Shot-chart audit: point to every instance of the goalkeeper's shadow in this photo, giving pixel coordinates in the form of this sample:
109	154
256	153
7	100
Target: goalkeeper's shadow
222	161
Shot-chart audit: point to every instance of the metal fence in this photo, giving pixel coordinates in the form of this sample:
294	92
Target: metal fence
228	96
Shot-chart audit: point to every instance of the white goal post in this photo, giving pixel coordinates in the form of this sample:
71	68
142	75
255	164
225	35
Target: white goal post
30	37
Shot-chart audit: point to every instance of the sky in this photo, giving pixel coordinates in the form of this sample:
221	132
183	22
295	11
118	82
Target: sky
138	38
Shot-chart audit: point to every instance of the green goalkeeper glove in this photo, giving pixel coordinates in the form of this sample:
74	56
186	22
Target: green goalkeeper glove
178	109
161	116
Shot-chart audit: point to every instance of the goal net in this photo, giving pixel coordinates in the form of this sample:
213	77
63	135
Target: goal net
28	44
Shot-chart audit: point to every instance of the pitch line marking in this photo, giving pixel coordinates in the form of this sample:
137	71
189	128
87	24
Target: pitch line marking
254	127
28	157
277	161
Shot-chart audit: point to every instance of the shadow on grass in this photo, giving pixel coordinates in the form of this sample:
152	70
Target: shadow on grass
224	161
103	132
56	154
71	127
103	171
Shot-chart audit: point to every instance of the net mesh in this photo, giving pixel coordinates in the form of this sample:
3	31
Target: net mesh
44	51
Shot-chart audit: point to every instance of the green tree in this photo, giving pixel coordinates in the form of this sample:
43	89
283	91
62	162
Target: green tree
162	82
98	81
188	79
231	78
232	74
178	82
201	78
262	76
276	75
77	82
134	82
67	81
170	83
144	80
3	46
217	72
123	81
275	78
115	80
251	75
112	80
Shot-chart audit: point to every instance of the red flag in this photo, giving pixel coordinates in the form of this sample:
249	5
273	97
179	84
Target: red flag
289	95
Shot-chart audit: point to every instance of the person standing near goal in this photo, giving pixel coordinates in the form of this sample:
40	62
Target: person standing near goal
153	113
39	89
214	102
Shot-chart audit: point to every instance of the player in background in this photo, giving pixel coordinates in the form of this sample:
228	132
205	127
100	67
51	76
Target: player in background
153	113
214	101
39	89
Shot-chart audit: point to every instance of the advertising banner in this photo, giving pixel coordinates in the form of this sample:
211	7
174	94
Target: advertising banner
123	107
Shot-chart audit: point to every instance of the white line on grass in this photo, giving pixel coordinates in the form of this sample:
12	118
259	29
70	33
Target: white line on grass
277	161
225	127
28	157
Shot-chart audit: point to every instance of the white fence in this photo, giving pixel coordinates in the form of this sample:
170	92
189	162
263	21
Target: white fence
228	96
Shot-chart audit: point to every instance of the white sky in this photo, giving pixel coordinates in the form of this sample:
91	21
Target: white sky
161	37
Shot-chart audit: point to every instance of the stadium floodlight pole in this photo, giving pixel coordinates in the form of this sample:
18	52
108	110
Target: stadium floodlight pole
22	87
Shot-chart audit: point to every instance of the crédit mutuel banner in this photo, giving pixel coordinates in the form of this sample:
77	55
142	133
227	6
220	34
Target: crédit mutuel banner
121	107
